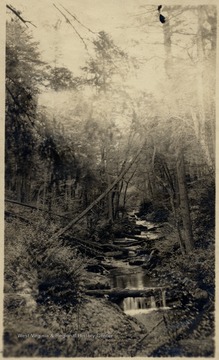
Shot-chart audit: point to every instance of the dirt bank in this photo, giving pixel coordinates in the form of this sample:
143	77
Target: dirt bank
94	328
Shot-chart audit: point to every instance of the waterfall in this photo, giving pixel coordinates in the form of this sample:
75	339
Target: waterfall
134	303
153	303
137	279
139	303
164	304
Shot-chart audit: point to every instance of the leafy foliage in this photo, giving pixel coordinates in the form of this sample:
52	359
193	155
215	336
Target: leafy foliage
60	78
206	217
101	69
145	207
49	269
63	157
22	76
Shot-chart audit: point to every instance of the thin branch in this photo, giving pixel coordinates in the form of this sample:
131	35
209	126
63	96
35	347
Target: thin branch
145	13
184	33
69	22
180	12
133	353
17	13
151	58
74	17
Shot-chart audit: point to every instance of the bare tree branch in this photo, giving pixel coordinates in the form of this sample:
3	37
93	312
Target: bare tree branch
69	22
35	208
17	13
74	17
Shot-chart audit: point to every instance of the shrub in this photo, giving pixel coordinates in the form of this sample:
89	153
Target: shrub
206	205
34	261
145	207
103	230
42	277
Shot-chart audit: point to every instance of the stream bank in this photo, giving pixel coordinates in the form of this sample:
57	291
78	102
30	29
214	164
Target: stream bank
64	329
176	330
96	327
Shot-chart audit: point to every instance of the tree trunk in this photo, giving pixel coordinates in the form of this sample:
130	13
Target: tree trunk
117	200
184	203
19	187
167	32
125	194
102	196
44	189
69	192
180	165
127	185
201	84
110	201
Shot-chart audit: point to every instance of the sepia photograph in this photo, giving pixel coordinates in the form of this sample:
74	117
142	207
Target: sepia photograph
109	179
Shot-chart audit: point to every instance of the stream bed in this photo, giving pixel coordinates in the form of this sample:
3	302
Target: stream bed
137	279
131	277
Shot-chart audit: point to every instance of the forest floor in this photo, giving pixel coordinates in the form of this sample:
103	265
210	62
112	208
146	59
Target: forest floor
100	328
96	327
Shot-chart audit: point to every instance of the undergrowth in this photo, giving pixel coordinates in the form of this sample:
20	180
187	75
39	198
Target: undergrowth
41	276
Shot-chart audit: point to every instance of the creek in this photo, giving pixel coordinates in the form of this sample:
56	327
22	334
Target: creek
131	277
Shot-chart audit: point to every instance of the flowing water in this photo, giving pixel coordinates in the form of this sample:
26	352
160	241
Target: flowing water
136	278
131	280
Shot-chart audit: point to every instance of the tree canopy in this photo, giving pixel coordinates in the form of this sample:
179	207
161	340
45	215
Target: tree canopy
109	117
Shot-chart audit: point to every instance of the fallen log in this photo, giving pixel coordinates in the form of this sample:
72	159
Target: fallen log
97	245
87	242
128	243
137	261
141	227
156	226
88	250
112	246
99	198
145	238
107	250
159	238
35	208
135	237
124	293
113	253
